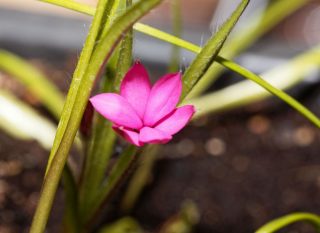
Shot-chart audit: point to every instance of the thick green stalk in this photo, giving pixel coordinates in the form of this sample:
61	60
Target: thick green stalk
78	76
35	82
64	137
286	220
75	104
209	52
100	146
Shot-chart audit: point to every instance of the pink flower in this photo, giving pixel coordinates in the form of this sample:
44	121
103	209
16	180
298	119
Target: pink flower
142	113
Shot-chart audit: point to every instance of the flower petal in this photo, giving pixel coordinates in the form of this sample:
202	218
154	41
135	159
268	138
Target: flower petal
116	109
174	122
129	135
155	136
135	88
163	98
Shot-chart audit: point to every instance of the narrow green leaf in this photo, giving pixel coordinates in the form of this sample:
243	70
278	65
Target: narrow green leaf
286	220
141	176
35	82
72	5
255	27
75	104
246	92
209	52
77	79
117	172
100	149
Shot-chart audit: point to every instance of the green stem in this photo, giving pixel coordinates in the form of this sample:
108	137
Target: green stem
140	177
76	102
286	220
117	173
78	75
101	142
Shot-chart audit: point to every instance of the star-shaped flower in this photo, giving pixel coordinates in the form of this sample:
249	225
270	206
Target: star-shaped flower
143	113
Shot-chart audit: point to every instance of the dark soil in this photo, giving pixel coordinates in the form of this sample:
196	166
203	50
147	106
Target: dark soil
241	168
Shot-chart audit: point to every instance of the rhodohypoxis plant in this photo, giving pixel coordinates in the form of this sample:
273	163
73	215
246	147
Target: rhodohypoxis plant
142	113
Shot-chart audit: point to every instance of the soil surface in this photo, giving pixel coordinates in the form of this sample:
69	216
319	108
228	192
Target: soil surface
241	168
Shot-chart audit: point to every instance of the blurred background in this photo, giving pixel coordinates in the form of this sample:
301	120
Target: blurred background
241	168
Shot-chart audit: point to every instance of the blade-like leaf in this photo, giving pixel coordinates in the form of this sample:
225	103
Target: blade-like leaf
246	92
209	52
255	28
125	160
33	80
141	176
286	220
101	144
75	104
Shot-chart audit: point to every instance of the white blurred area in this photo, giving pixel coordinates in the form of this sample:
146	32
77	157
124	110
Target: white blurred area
53	26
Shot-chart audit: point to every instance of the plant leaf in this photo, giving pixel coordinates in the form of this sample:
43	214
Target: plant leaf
246	92
127	157
78	95
103	137
123	225
35	82
255	27
209	52
286	220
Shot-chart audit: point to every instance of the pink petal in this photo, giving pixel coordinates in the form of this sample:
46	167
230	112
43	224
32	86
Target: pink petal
129	135
136	87
163	98
151	135
116	109
174	122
